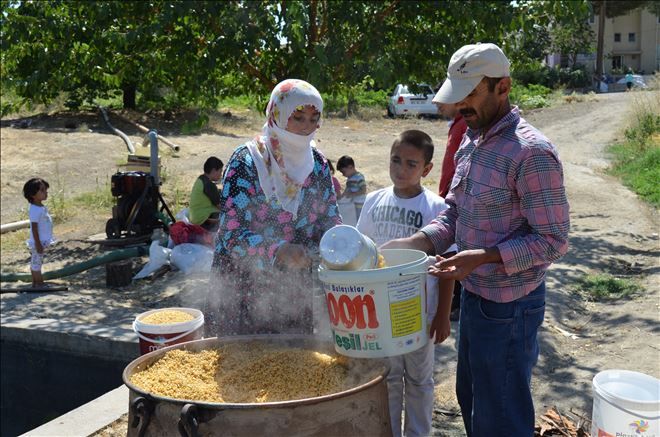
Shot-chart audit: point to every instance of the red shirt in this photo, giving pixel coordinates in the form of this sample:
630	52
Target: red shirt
454	138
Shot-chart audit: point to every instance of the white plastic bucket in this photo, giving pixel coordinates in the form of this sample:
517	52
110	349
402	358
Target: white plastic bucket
380	312
154	337
626	404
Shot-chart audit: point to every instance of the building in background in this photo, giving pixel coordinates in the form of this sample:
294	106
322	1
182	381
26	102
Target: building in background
630	41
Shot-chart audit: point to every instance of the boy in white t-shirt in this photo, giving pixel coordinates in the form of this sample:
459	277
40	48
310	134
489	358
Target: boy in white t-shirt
400	211
41	226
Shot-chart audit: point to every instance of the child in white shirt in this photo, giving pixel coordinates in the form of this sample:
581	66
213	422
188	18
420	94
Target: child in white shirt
41	226
400	211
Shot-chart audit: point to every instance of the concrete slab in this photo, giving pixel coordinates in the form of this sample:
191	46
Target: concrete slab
89	340
63	338
89	418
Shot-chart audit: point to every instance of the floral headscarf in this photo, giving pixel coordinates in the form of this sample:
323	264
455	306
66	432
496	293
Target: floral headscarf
284	159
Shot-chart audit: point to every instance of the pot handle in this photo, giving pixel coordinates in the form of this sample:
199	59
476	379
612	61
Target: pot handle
188	422
141	408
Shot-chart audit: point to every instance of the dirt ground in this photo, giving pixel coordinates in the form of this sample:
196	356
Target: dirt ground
612	231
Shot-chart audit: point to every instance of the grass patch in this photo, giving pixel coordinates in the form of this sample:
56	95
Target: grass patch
58	205
14	241
607	287
530	96
176	191
99	199
637	159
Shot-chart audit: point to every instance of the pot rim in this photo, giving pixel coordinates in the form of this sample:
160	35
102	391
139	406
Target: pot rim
271	338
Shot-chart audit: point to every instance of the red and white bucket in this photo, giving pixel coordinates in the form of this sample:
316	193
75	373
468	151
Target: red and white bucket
153	337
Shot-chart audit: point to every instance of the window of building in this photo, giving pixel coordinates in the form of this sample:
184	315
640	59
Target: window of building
631	37
617	62
617	37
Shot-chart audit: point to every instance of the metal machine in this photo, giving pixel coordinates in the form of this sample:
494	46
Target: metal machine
140	206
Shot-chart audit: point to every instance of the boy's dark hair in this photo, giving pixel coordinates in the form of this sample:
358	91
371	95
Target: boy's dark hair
345	161
32	187
213	163
332	167
419	140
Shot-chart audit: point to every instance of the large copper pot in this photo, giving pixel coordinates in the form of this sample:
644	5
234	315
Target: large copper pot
359	411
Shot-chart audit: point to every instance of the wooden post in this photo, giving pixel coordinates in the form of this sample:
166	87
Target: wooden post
119	274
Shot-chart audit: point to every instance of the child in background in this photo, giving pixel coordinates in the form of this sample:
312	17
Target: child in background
204	204
394	212
41	227
356	185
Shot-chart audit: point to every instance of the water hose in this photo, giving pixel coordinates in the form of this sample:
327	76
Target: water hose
115	255
129	144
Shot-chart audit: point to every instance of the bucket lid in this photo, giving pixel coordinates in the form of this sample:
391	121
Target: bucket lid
343	247
400	263
629	389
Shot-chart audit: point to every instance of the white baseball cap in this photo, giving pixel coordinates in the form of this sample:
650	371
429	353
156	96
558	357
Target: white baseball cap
467	67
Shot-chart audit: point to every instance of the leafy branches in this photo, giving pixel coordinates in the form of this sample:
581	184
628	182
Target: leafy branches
193	53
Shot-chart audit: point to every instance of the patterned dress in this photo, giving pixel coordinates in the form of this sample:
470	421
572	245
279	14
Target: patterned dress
247	294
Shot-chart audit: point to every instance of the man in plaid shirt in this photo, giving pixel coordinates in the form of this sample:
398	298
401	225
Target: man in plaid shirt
508	214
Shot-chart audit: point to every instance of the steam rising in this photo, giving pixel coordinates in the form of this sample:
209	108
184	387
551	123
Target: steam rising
244	299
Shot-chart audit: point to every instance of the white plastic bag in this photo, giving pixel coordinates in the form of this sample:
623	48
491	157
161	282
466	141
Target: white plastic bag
182	216
192	258
158	257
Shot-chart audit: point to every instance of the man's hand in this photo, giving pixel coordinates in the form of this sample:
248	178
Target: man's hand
459	266
292	256
418	241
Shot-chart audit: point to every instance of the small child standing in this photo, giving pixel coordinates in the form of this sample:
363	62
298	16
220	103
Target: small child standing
356	185
400	211
41	226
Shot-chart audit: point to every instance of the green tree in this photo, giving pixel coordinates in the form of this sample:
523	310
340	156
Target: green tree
195	52
94	49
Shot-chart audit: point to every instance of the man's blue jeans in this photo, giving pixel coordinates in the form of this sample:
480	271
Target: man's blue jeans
497	350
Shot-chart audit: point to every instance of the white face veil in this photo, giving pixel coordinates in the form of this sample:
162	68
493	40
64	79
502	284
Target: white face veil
284	159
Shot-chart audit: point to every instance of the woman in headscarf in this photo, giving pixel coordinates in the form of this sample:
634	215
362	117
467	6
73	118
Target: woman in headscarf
277	201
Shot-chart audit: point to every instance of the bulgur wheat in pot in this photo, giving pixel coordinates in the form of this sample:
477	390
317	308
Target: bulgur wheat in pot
240	373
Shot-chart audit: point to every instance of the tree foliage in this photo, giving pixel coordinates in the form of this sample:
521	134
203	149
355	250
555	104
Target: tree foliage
192	53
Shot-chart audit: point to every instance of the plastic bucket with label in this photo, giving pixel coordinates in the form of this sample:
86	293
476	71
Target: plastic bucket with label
625	403
379	312
153	337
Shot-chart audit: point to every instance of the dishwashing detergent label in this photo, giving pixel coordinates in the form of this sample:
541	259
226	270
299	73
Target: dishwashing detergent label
353	314
405	306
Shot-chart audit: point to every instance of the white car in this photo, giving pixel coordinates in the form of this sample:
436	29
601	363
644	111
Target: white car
412	99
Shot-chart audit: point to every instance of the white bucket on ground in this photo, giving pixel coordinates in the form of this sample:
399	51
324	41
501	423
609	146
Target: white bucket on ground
626	404
154	337
380	312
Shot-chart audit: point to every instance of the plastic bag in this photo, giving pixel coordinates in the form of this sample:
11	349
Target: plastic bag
158	257
192	258
182	216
